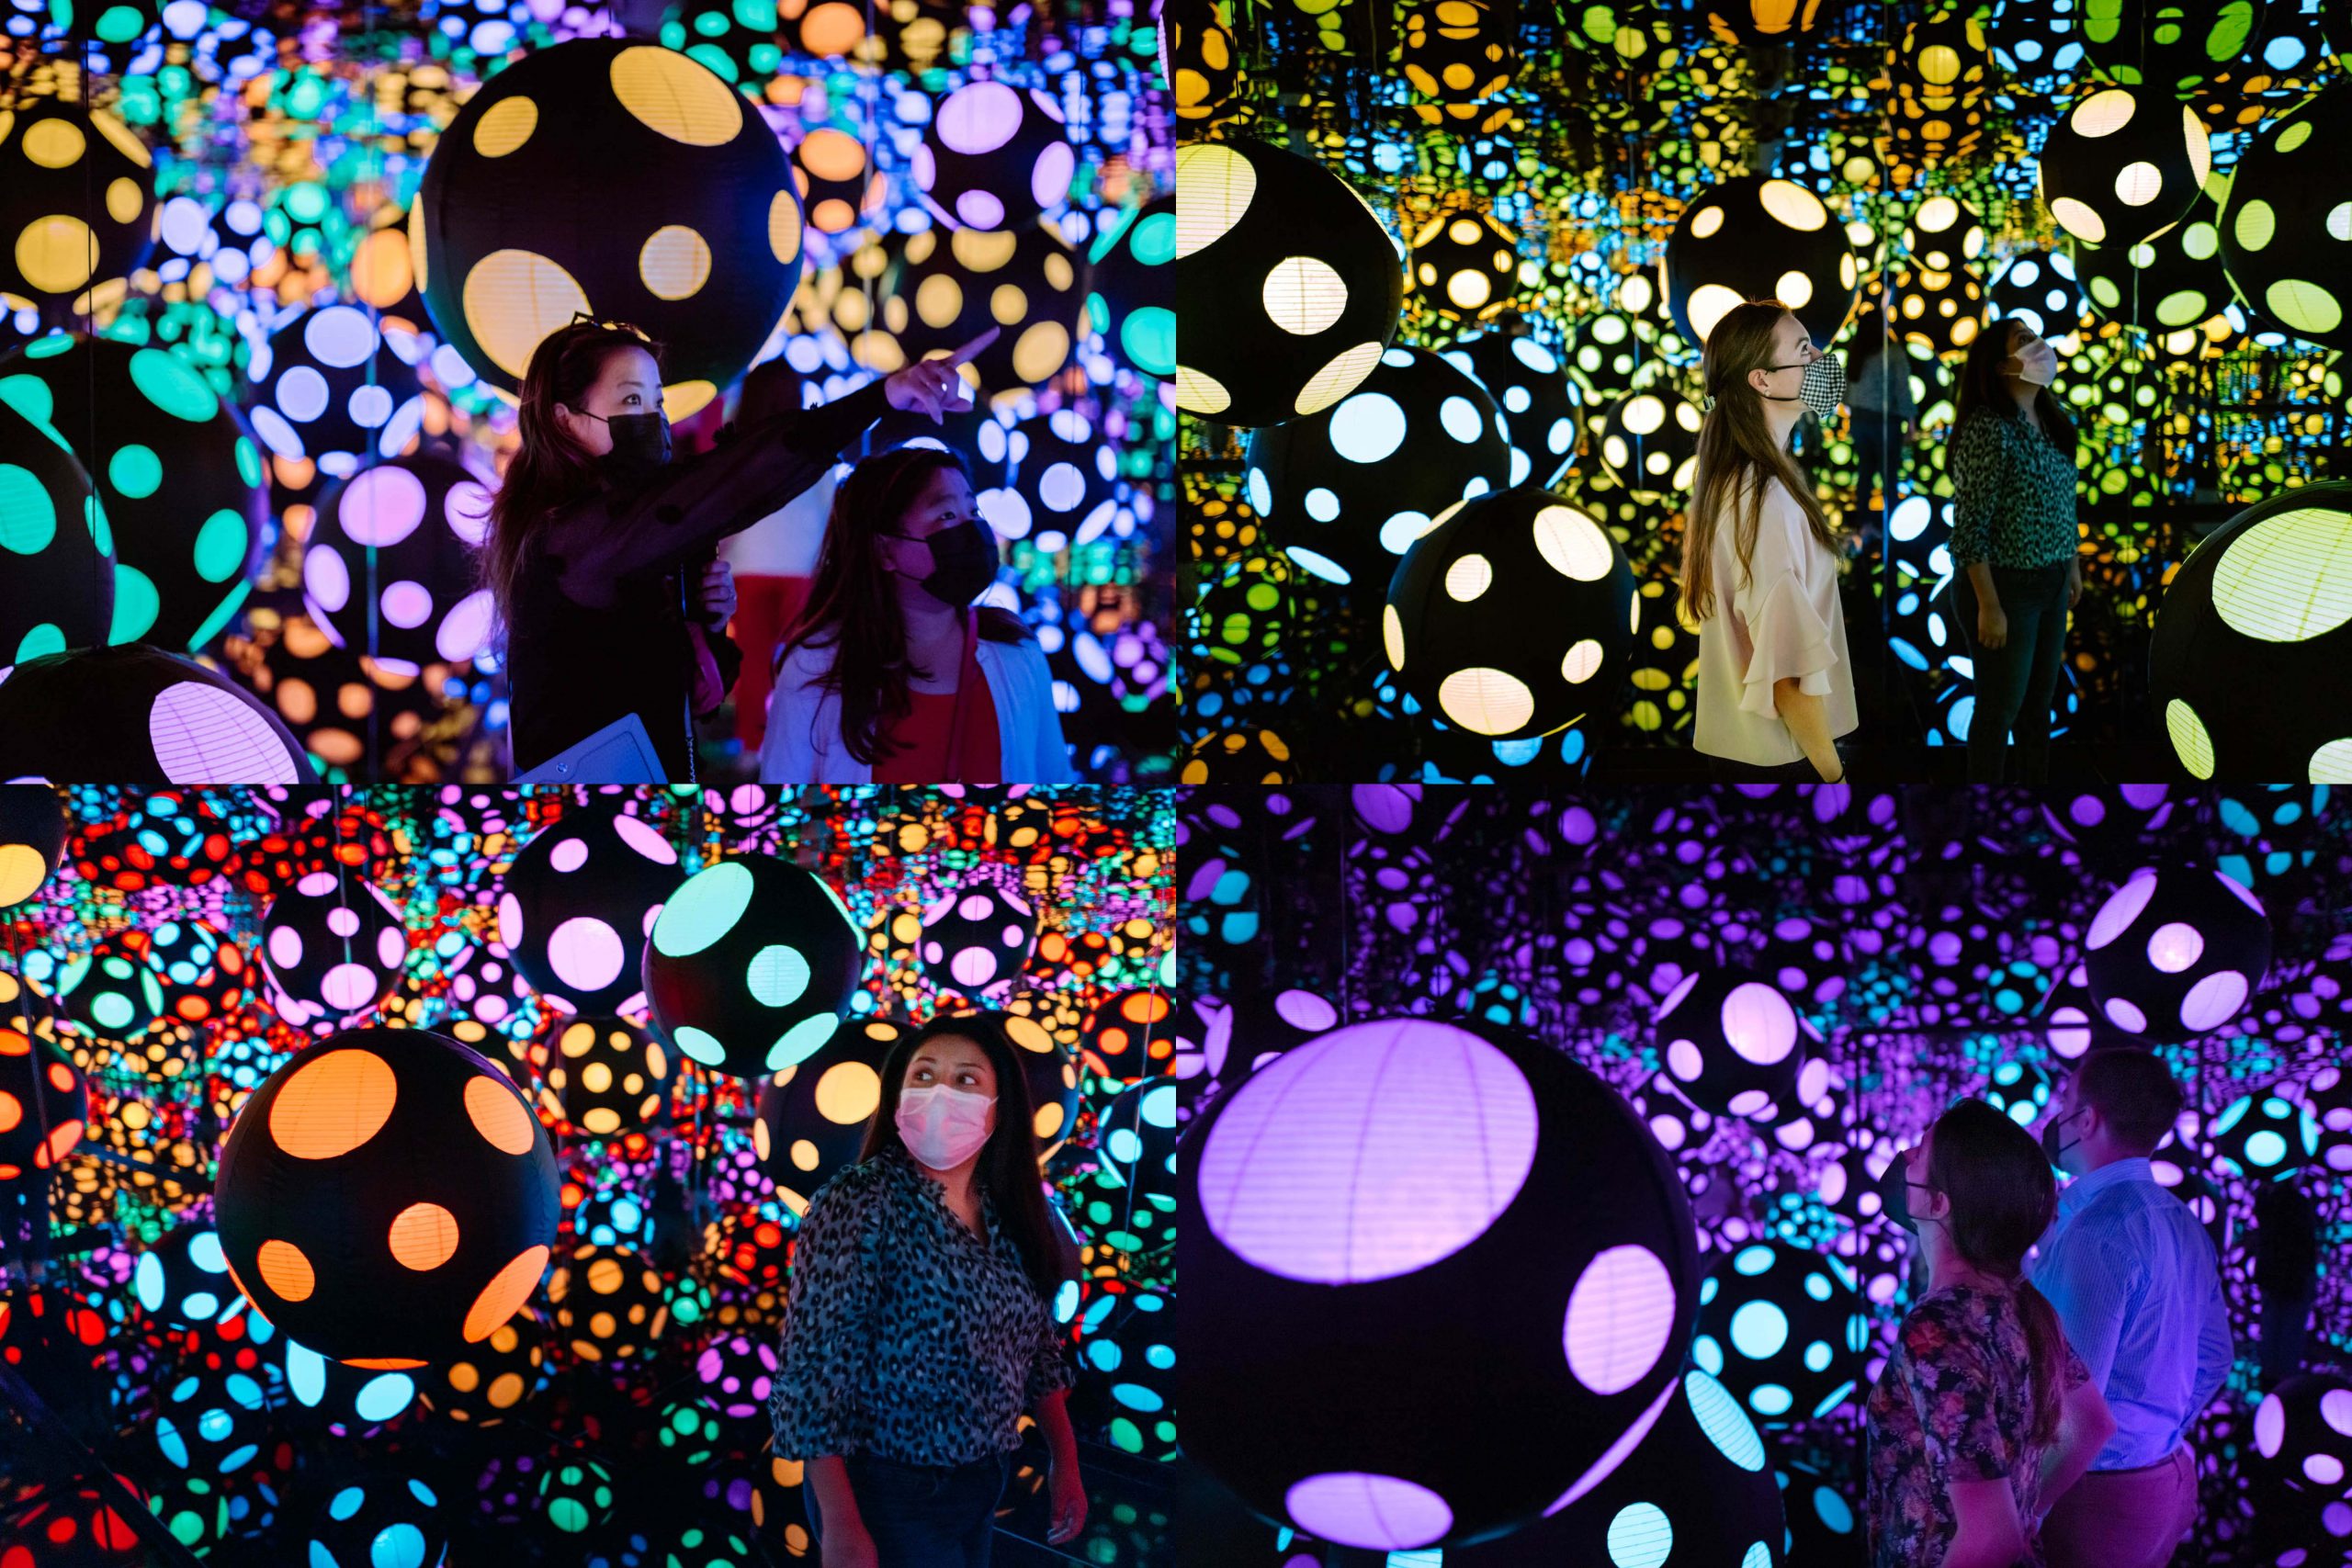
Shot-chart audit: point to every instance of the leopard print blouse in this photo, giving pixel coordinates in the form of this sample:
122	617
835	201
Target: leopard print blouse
904	1333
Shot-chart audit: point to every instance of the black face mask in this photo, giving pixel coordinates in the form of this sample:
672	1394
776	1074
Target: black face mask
641	440
1894	1195
2051	1147
963	562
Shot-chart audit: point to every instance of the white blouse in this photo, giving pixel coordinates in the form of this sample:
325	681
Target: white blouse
1779	619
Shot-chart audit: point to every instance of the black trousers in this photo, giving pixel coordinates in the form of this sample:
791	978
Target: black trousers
2016	682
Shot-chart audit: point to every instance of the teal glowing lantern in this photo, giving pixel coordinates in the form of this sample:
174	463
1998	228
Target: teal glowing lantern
58	586
1783	1330
380	1523
751	965
1132	289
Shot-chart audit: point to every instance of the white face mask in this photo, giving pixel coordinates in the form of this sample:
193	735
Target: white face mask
2038	363
943	1126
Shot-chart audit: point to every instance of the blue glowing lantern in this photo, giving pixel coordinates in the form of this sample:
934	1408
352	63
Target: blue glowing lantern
1386	1204
380	1523
1783	1329
184	1278
1537	398
2265	1136
1124	1345
1131	288
211	1421
2177	952
751	965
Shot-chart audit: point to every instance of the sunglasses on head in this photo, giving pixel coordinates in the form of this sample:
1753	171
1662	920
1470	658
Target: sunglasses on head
581	318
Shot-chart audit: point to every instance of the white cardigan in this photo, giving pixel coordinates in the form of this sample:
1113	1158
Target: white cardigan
803	735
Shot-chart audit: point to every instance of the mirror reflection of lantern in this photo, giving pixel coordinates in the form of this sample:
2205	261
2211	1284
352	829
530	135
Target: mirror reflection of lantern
837	187
1537	399
1783	1329
1465	263
950	285
610	1301
994	157
2122	164
605	1076
381	1520
812	1115
79	207
1730	1043
2176	952
333	945
977	936
576	905
412	524
43	1106
2301	1459
2282	226
1342	1300
751	965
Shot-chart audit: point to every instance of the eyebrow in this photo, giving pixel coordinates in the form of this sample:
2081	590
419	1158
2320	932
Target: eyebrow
638	385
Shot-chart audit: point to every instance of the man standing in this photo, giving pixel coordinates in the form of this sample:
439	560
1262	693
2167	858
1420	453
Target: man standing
2133	1278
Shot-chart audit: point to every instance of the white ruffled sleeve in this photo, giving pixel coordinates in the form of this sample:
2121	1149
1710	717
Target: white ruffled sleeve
1787	637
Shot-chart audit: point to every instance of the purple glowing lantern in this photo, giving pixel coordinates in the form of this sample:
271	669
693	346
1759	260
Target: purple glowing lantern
1730	1043
2176	952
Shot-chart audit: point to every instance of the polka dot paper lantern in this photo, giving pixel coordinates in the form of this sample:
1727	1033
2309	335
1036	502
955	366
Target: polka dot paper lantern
142	716
1144	1031
1730	1043
113	991
1238	756
2284	235
1131	297
578	904
1766	21
950	286
1347	491
2262	1137
1943	234
703	248
33	840
751	967
1512	616
1458	53
2040	288
335	946
179	479
1199	57
490	1380
1052	1073
1938	311
610	1301
2250	665
1300	280
1393	1202
1783	1329
836	183
1538	400
76	209
1753	237
2300	1467
993	156
2122	163
605	1076
1649	440
43	1106
2176	952
381	1521
2167	282
1137	1137
387	1198
423	516
737	1372
332	390
57	591
1465	262
812	1115
976	937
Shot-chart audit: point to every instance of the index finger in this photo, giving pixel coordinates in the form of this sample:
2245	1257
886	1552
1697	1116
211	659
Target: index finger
972	349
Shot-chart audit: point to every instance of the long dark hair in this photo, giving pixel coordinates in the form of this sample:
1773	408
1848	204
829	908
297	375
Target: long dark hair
1981	388
1008	1167
2002	1199
1736	447
853	605
550	470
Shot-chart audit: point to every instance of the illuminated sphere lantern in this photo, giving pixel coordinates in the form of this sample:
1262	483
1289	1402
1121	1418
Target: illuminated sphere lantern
1259	1025
2176	952
976	938
2262	1137
1512	616
1137	1137
751	965
1294	283
1347	491
1696	1492
1753	237
33	840
1131	288
812	1115
210	1421
700	241
993	156
2283	231
737	1372
1766	21
950	286
610	1301
43	1106
1238	756
836	184
1730	1043
1064	488
332	392
1142	1031
1537	399
605	1076
376	1522
58	590
2122	164
1386	1204
2300	1470
1199	58
2250	665
1783	1329
335	946
144	716
386	1199
1940	311
413	524
1459	51
578	904
114	990
1465	263
180	482
77	213
490	1380
1052	1074
2169	281
2040	288
1649	440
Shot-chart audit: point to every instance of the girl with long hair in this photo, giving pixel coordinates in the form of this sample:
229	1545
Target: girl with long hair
892	674
1984	1413
917	1326
1759	559
599	552
2014	544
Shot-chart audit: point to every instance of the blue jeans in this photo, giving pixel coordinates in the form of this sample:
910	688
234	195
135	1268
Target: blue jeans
923	1515
2016	682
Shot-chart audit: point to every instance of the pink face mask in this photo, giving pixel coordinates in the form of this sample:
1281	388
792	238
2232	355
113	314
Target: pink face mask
943	1126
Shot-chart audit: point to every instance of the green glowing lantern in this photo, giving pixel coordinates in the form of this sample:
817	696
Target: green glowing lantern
2286	225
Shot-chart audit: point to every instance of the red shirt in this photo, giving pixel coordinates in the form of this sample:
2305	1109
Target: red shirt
924	733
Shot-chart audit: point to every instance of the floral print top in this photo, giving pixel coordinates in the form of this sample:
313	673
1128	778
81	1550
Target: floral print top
2013	494
905	1335
1954	1403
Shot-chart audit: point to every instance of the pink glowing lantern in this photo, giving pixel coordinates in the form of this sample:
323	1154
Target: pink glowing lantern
2176	952
1730	1043
994	157
333	945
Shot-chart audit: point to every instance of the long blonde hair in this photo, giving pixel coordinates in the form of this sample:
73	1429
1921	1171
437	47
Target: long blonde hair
1737	456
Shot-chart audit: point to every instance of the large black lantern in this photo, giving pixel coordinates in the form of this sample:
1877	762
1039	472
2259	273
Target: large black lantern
2176	952
58	590
1754	238
136	714
77	212
407	530
577	903
812	1115
751	965
994	157
2122	163
1465	263
1291	282
1512	617
2284	234
2250	666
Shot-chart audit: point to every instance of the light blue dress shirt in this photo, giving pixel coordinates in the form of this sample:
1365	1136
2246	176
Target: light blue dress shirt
2133	1276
